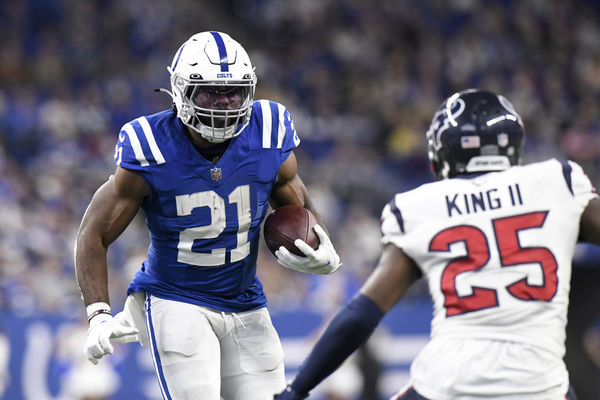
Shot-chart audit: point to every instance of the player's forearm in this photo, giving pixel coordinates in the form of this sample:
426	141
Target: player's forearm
294	192
350	328
91	269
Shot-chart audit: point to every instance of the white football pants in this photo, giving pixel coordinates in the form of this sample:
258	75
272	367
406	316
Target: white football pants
200	353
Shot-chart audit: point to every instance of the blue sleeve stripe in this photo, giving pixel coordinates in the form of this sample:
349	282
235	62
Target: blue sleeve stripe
277	127
396	211
275	124
135	145
222	51
281	126
142	142
156	153
566	170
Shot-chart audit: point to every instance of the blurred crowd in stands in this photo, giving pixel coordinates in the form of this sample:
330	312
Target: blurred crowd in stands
361	79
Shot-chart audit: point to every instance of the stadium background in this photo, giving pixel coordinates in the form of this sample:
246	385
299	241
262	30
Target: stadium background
361	79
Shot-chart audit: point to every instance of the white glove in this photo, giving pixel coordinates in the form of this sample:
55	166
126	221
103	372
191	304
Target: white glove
322	261
103	328
123	330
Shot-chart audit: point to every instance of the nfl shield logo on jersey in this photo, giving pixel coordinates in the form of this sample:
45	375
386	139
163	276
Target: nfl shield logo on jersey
216	173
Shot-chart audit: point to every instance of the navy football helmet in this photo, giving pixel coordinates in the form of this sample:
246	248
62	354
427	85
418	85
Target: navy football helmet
474	131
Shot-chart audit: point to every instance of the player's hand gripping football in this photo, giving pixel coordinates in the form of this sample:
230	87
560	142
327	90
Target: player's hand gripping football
322	261
104	328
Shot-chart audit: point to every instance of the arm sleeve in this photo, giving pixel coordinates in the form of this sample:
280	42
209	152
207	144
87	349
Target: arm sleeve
350	328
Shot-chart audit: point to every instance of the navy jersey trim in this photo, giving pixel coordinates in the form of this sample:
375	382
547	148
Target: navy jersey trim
567	170
409	394
222	51
396	211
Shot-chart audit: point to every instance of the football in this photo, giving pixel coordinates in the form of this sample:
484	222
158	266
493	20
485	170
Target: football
288	223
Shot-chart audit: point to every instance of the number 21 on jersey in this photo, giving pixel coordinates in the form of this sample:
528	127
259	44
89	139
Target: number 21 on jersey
240	196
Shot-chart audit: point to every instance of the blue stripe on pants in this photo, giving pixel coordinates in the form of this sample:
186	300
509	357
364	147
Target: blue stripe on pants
155	356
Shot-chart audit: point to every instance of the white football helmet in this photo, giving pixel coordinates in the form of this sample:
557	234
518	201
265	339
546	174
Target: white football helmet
212	64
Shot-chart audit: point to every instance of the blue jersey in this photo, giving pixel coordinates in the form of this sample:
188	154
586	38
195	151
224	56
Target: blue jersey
204	218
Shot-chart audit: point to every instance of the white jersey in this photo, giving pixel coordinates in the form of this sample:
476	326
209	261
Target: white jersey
496	250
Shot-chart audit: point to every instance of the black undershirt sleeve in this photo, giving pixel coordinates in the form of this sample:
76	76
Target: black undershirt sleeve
350	328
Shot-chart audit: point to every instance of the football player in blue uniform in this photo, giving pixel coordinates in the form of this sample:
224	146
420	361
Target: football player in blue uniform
204	173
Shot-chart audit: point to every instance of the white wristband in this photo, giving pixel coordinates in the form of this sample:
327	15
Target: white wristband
97	308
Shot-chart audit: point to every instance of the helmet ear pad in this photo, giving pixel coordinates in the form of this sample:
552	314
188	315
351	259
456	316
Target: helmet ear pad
434	167
434	164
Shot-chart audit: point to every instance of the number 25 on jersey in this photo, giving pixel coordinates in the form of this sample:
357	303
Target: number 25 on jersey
511	254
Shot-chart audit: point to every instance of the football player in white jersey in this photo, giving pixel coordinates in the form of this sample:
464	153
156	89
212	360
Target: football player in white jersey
204	172
494	240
